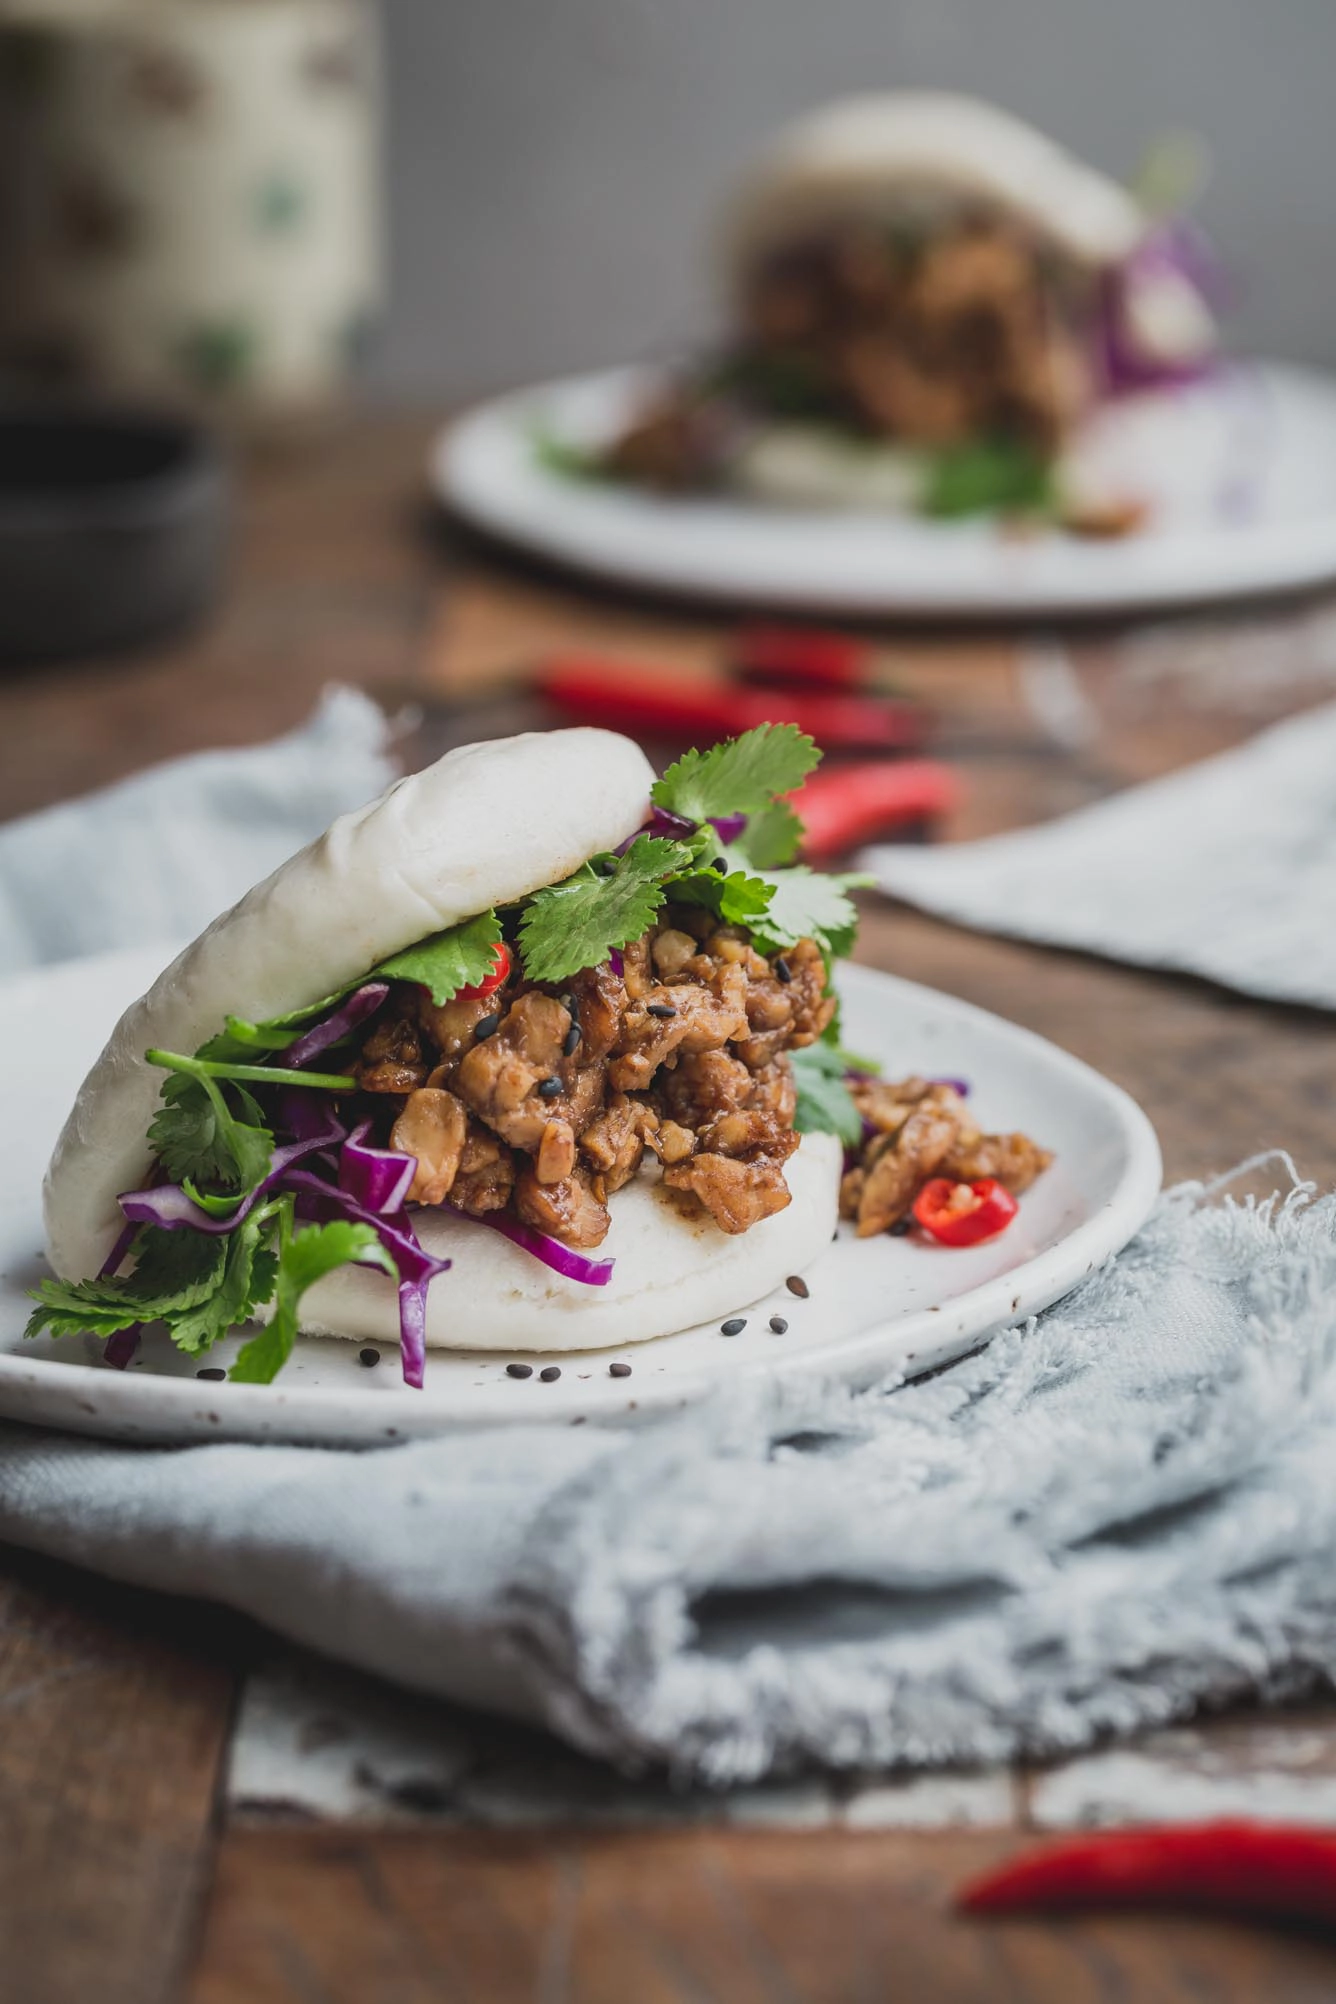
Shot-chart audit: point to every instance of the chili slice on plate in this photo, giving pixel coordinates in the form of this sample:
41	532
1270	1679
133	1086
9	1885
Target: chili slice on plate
964	1214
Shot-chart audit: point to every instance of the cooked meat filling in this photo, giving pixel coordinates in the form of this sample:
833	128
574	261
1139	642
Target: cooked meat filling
545	1098
933	337
916	1130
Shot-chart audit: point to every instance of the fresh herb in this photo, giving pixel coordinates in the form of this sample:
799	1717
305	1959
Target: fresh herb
741	776
460	957
735	899
304	1257
805	905
772	836
989	476
562	456
199	1138
578	923
825	1105
174	1273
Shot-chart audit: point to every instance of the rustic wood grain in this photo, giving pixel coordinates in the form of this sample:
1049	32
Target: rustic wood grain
417	1918
114	1710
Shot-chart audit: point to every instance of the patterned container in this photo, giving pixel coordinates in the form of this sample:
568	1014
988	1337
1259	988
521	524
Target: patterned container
189	195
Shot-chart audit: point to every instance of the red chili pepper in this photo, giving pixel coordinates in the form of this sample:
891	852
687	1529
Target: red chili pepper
1268	1871
623	696
964	1214
490	982
846	805
802	654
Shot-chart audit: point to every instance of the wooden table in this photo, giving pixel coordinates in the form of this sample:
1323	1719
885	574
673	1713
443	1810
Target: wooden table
190	1811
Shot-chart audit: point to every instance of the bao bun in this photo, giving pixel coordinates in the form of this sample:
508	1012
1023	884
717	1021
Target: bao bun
924	152
486	825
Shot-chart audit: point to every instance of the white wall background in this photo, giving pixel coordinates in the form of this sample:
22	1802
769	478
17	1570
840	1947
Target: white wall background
552	162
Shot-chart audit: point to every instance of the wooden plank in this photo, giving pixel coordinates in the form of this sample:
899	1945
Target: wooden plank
686	1918
115	1709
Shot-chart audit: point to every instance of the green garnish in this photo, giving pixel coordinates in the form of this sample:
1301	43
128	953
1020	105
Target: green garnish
989	476
825	1105
741	776
459	957
608	903
304	1257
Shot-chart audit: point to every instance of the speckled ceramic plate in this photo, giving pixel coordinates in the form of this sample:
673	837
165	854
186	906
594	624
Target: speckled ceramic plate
872	1306
1239	473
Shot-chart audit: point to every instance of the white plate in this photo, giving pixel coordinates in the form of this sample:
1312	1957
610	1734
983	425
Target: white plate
1240	472
875	1306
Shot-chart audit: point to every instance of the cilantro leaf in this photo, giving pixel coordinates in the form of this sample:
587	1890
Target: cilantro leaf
740	776
808	905
459	957
772	836
577	923
989	476
198	1138
311	1252
173	1272
737	899
825	1105
247	1281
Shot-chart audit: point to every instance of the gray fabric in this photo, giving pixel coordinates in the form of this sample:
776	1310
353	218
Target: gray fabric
1227	870
159	855
1118	1511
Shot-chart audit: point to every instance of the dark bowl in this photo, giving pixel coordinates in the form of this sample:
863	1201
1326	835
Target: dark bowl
113	528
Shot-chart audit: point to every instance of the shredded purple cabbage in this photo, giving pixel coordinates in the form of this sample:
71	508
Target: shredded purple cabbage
413	1331
378	1179
616	963
728	827
1177	245
115	1259
340	1023
319	1202
662	821
571	1265
170	1207
119	1350
962	1086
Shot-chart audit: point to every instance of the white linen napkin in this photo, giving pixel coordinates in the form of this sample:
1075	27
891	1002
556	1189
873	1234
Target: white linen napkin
1226	870
162	853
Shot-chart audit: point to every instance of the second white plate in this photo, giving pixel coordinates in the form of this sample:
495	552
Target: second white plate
1240	473
873	1306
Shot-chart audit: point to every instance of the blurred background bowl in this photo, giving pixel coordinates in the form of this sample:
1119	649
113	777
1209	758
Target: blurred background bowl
113	528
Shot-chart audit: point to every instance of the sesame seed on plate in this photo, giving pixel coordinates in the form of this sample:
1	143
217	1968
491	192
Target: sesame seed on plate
519	1370
797	1285
734	1325
619	1370
550	1373
778	1324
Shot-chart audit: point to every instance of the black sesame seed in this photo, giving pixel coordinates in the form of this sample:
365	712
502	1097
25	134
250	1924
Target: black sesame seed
368	1356
211	1372
486	1026
519	1370
549	1088
901	1228
550	1373
797	1285
663	1010
606	866
782	969
779	1325
720	865
734	1325
619	1370
571	1041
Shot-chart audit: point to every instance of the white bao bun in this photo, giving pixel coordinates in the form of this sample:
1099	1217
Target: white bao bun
879	155
671	1272
486	824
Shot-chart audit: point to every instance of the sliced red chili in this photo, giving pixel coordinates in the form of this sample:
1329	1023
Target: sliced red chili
1268	1871
964	1214
500	971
